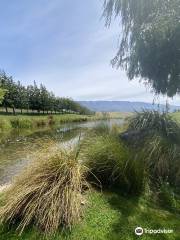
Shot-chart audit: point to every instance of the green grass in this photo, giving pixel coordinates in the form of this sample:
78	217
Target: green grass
8	122
176	116
112	161
111	216
157	140
25	121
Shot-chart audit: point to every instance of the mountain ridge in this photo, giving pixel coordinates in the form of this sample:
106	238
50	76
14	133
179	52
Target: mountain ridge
124	106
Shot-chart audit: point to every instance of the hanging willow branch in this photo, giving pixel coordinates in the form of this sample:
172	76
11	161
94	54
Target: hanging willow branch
150	46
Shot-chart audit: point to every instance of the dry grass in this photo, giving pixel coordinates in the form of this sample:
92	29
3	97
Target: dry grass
48	194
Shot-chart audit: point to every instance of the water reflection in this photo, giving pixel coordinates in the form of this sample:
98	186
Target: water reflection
17	146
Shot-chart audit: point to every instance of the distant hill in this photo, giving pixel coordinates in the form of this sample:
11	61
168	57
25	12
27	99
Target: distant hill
123	106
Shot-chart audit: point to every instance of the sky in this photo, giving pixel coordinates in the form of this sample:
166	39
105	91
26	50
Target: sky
65	45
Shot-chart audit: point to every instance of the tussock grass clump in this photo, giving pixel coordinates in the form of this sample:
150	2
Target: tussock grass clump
105	157
48	194
162	159
111	161
154	122
159	145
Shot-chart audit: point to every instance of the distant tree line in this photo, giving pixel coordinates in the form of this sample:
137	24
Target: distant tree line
33	98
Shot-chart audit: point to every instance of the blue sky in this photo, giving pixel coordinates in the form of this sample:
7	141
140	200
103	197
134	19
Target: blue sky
64	45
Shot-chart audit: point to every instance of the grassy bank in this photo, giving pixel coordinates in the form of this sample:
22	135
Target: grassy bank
9	122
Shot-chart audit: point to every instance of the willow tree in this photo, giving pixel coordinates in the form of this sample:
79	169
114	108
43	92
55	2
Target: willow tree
150	41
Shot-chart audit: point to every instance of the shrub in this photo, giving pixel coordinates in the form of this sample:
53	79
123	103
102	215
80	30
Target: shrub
48	194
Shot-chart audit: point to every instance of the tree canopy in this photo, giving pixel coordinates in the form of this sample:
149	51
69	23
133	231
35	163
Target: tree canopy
150	41
2	93
35	98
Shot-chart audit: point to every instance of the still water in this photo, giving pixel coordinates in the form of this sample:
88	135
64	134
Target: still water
16	148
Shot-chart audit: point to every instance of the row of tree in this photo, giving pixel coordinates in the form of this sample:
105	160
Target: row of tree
34	98
2	93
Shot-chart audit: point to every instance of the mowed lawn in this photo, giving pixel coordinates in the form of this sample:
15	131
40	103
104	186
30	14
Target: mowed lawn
110	215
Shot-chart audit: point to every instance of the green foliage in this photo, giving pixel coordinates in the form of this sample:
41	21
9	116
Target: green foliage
159	145
150	44
35	98
21	123
154	122
5	125
112	162
2	93
38	195
166	196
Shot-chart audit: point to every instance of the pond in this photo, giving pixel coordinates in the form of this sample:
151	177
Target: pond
16	148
